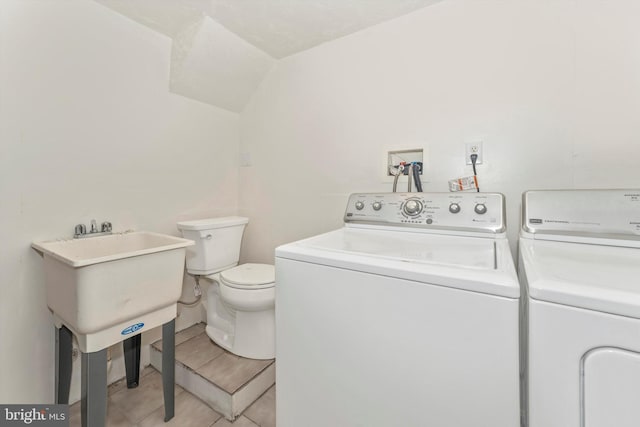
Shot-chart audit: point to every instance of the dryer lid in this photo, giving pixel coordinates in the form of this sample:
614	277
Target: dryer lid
594	277
249	275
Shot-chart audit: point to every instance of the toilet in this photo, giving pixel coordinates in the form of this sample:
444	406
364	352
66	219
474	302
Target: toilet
241	298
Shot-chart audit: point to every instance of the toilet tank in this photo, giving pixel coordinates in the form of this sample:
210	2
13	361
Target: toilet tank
217	243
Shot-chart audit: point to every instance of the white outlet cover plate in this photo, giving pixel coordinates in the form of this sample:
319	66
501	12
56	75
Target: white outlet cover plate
473	147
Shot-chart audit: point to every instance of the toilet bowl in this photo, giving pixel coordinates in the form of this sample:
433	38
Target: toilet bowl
240	300
241	310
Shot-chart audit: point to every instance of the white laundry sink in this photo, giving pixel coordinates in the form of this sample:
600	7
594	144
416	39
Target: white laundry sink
108	288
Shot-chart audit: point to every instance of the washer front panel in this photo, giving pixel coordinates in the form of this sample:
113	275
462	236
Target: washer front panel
380	351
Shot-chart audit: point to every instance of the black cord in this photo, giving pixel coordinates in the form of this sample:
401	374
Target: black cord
474	158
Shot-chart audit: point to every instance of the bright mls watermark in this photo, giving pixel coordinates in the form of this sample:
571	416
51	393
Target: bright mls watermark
34	415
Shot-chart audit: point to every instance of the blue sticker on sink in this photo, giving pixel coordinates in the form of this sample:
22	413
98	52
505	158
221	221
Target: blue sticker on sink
133	328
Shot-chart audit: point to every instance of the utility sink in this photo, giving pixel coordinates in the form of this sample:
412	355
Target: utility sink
108	288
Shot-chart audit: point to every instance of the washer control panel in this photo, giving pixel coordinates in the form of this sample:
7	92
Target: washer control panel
483	212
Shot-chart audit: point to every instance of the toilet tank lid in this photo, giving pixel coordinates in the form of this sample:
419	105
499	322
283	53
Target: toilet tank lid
209	223
249	274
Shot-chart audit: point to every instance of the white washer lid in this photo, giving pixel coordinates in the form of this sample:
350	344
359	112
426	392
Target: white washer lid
249	276
475	264
595	277
209	223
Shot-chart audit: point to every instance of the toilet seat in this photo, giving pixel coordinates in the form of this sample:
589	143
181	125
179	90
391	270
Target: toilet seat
249	276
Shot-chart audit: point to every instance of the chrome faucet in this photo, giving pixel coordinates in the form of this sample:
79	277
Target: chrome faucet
80	230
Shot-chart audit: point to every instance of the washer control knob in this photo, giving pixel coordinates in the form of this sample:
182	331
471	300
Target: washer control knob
359	205
454	208
377	206
412	207
480	209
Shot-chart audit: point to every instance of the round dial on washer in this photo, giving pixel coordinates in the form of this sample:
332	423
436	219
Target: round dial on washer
480	209
359	206
454	208
377	206
412	207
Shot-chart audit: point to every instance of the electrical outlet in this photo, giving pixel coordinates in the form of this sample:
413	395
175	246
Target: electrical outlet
473	148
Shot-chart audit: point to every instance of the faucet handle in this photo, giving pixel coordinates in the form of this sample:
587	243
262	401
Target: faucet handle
80	230
106	226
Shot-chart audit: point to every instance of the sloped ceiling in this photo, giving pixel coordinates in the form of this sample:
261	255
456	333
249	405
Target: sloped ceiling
222	49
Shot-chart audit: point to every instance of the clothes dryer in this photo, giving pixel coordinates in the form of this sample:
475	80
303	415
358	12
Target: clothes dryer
406	316
579	265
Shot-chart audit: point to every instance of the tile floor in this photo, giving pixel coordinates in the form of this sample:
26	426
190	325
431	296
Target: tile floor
144	406
224	381
196	351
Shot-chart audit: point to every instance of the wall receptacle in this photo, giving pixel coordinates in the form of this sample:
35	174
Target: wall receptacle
473	148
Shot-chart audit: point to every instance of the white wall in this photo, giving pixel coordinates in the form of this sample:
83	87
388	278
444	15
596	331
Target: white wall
89	130
551	87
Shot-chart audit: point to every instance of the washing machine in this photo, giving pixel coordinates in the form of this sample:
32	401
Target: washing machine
579	265
406	316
